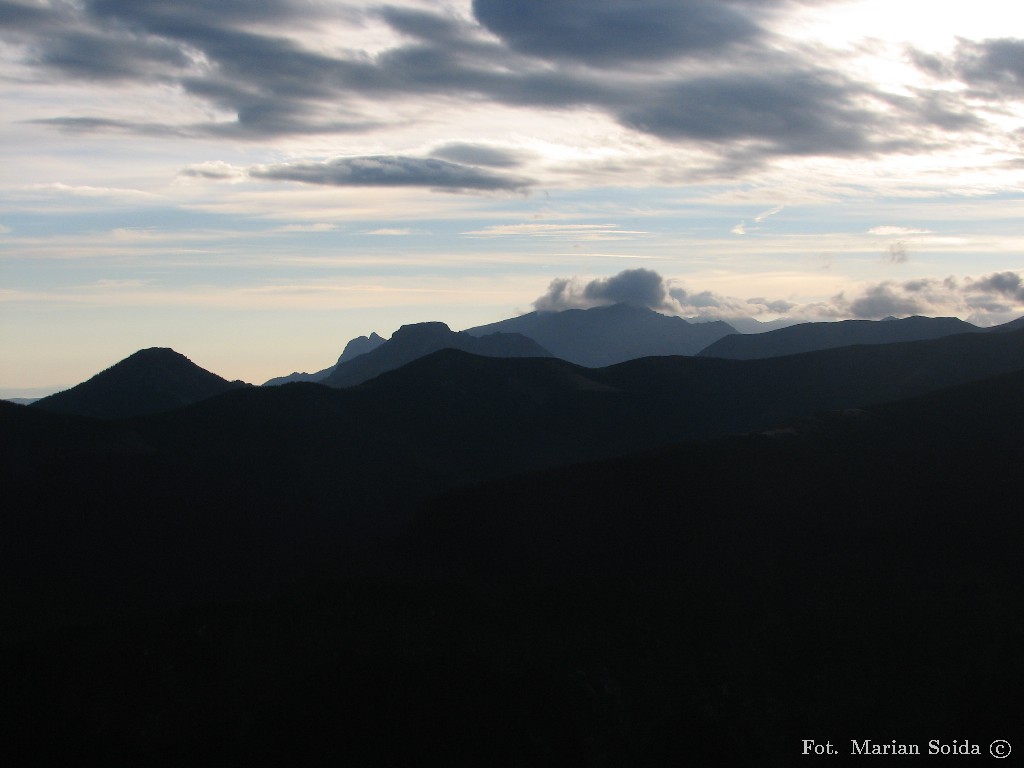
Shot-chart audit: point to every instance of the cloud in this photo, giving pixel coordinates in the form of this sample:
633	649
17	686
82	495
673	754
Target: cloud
98	56
897	253
776	306
987	300
83	190
214	169
320	226
390	232
423	25
640	287
994	69
883	300
791	112
19	16
555	231
742	229
479	154
73	125
890	230
610	33
393	171
771	212
1007	284
713	79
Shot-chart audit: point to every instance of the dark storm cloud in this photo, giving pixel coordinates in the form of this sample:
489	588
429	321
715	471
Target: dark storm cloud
794	112
884	300
245	58
992	69
994	64
610	33
393	171
18	15
988	299
91	56
643	287
1007	284
430	27
640	287
183	18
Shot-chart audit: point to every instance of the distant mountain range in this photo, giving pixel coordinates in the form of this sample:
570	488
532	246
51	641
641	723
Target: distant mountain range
593	337
808	337
149	381
607	335
446	408
156	379
411	342
356	347
603	336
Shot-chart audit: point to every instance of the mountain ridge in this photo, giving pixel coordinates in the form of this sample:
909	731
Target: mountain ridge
809	337
602	336
415	340
353	349
467	549
148	381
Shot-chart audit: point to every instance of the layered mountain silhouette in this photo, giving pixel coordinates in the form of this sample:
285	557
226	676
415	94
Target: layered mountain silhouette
603	336
356	347
149	381
452	417
808	337
607	335
522	560
411	342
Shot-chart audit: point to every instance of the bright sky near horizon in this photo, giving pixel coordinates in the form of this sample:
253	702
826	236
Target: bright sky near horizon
254	182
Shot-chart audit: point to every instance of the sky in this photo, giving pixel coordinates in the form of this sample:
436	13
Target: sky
255	182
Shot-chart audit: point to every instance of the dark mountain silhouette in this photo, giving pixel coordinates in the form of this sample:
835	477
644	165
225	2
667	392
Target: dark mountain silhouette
356	347
672	560
324	576
555	409
411	342
1013	325
743	582
808	337
606	335
149	381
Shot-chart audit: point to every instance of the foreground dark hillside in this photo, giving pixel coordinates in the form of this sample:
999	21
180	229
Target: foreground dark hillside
428	565
206	497
856	575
